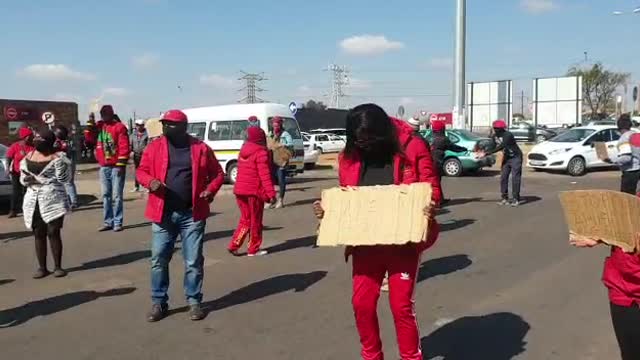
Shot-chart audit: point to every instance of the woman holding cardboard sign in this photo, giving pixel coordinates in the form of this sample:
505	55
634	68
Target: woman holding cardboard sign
383	151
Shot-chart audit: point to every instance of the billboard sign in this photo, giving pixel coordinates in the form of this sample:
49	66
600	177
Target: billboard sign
489	101
557	101
447	118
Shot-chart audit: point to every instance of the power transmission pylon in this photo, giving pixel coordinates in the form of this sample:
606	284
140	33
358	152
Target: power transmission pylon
251	88
339	79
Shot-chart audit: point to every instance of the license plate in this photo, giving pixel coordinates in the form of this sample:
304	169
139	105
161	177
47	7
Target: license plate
536	163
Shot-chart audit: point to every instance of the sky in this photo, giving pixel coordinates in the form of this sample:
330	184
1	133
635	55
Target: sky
146	56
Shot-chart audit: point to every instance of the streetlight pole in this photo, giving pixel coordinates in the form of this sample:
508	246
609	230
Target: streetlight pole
460	67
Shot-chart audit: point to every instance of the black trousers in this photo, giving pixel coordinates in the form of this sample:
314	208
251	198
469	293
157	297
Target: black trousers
17	193
137	158
629	182
511	167
626	324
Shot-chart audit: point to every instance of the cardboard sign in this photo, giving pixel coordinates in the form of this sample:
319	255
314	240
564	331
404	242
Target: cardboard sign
601	150
610	216
375	215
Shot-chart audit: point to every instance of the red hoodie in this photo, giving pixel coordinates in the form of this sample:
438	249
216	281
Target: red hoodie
254	173
413	165
112	147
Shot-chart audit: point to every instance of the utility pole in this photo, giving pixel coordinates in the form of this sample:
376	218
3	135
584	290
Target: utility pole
522	102
339	79
460	68
251	88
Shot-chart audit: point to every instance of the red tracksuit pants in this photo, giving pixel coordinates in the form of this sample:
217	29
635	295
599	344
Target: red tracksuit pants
251	211
370	263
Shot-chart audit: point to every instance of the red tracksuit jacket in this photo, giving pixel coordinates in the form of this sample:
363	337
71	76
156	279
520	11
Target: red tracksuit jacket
254	173
622	277
207	175
414	165
112	147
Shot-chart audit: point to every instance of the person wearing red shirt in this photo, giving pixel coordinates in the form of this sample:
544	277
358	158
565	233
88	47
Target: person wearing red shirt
621	277
16	152
254	187
183	176
384	151
112	153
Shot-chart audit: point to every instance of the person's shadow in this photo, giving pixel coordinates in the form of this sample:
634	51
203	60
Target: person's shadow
21	314
262	289
498	336
443	266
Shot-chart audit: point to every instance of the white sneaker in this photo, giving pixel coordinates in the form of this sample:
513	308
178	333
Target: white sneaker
259	253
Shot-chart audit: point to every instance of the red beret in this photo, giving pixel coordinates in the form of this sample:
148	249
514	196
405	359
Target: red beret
277	119
253	118
438	125
24	132
175	116
499	124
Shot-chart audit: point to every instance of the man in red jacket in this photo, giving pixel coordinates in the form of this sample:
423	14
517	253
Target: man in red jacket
112	153
384	151
16	152
183	176
253	188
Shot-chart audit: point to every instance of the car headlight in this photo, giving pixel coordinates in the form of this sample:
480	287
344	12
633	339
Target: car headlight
559	151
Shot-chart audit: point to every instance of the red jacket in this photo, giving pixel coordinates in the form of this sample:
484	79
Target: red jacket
414	165
254	172
112	147
207	175
16	152
622	277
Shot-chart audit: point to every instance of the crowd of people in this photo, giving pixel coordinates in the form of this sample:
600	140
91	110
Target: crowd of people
183	176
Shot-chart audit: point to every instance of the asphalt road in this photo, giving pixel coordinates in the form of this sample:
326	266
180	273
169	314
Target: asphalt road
501	283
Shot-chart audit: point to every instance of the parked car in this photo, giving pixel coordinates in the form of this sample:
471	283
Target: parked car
5	180
456	164
311	155
523	131
340	132
324	143
574	150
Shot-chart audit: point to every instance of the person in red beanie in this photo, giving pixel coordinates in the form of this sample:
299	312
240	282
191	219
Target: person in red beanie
183	176
253	188
280	139
253	121
621	277
383	151
16	152
440	143
112	153
511	163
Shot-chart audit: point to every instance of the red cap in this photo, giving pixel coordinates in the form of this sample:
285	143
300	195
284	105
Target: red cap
107	110
256	135
438	126
175	116
634	140
499	124
24	133
277	119
252	118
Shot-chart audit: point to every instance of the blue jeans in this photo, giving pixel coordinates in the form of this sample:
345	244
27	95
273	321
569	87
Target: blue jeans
71	186
112	183
280	176
162	245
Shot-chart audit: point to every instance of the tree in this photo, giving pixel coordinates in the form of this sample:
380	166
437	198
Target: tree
313	105
599	86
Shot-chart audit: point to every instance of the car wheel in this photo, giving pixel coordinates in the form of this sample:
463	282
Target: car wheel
541	138
309	166
577	166
232	173
321	150
452	167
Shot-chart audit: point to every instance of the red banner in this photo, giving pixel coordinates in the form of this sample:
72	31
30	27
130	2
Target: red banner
447	118
17	113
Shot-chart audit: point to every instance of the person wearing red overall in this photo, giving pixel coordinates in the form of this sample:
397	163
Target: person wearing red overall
384	151
621	277
16	152
254	187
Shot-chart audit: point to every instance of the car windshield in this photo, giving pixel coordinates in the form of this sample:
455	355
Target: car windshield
573	135
3	151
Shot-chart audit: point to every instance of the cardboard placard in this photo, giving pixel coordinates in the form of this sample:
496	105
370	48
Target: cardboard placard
375	215
610	216
601	150
154	128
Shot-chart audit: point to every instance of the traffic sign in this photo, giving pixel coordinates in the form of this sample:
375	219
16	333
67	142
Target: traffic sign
11	113
293	107
48	117
400	111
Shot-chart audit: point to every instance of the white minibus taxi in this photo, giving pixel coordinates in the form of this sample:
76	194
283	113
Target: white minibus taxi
223	128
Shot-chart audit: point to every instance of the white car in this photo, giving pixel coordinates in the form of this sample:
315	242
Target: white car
5	181
324	143
574	150
340	132
311	157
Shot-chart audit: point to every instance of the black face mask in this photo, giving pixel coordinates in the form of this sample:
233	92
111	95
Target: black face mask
176	133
